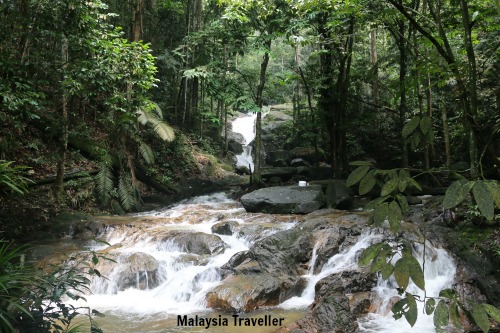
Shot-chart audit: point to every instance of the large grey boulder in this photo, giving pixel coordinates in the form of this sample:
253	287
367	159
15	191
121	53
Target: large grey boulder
284	200
338	195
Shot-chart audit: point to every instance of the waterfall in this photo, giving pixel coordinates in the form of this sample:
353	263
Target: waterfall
245	126
345	260
439	272
156	276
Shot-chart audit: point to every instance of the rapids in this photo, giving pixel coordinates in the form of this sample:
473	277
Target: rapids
155	278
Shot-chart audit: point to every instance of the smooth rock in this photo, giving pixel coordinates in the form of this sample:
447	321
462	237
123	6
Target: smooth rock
284	200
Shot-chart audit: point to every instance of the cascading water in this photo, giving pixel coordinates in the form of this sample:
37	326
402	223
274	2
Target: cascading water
156	277
439	272
245	126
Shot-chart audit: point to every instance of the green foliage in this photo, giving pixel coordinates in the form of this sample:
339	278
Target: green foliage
12	179
34	300
485	193
418	132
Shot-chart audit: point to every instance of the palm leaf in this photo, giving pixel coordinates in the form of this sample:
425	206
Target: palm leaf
164	131
146	152
104	181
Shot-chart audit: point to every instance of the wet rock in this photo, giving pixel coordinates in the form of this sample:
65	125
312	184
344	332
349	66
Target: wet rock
224	228
346	282
412	200
242	170
338	195
333	314
195	242
284	200
137	270
245	293
273	156
310	154
235	147
299	162
284	172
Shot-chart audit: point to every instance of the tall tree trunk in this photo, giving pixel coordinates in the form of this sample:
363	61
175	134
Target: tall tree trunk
260	104
402	89
58	184
446	134
374	63
471	84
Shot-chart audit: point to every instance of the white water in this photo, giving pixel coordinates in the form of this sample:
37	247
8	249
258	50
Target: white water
186	278
439	272
343	261
245	126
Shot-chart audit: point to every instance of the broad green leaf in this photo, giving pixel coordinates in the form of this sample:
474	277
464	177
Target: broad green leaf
413	183
404	173
484	200
401	273
480	317
426	124
357	175
430	305
389	187
402	185
412	313
448	293
416	273
361	163
394	216
369	253
455	194
378	263
375	203
441	316
455	316
403	203
494	188
410	126
397	309
387	270
380	213
492	311
367	183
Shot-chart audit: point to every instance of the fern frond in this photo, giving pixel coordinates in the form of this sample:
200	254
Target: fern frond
128	194
104	181
146	152
164	131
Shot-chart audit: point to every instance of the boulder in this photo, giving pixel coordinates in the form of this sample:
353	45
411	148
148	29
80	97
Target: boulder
296	162
235	147
242	170
224	228
338	195
130	270
284	200
273	156
194	242
245	293
309	154
283	173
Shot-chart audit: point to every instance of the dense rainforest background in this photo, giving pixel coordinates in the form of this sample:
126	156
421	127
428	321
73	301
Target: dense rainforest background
105	102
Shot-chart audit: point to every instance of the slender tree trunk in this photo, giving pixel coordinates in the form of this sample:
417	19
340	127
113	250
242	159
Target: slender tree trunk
471	85
260	103
402	89
374	63
446	134
58	184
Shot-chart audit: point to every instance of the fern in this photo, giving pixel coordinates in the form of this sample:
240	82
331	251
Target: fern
146	152
128	194
104	181
164	131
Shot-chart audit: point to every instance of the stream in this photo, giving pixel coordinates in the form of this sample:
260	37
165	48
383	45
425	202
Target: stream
167	260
